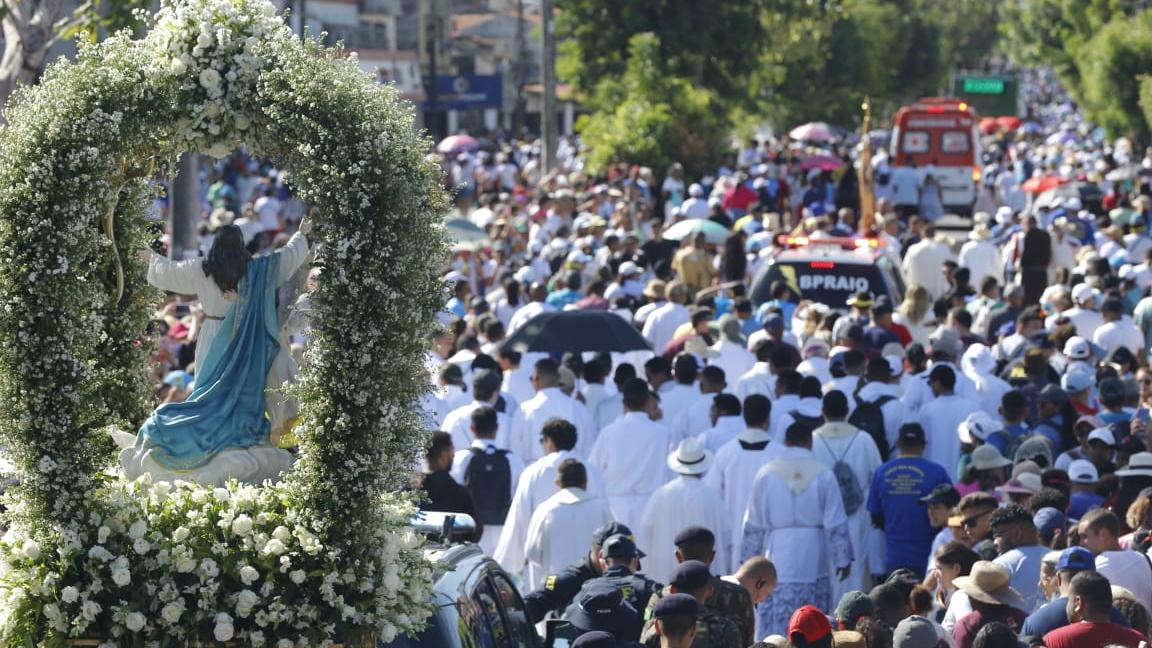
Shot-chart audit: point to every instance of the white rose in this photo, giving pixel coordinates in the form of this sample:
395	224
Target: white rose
268	9
221	494
249	575
209	79
185	564
242	525
172	612
177	66
242	123
203	40
209	568
297	576
102	534
69	594
245	601
275	547
138	529
31	549
134	621
181	534
90	610
52	611
224	630
282	534
256	639
121	577
141	546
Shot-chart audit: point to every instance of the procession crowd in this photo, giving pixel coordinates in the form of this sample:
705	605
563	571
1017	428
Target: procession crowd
967	466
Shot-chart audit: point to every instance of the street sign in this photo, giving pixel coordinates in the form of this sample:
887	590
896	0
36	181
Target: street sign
469	92
990	95
984	86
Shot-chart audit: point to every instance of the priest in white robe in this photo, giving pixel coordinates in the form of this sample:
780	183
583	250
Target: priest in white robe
485	391
735	468
941	418
840	441
630	455
727	423
549	402
683	502
536	485
559	529
796	519
697	416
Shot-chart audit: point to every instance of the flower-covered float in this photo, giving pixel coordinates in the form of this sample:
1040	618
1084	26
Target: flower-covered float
324	556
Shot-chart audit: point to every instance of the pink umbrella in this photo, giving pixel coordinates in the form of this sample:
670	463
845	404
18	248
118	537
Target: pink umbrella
812	132
822	162
457	144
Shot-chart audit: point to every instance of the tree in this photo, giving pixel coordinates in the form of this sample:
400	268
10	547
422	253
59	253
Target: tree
651	117
32	27
1115	66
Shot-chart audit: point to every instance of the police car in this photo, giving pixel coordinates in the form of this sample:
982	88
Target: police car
477	605
829	270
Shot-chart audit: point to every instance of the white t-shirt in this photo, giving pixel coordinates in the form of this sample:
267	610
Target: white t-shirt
906	186
1128	569
268	208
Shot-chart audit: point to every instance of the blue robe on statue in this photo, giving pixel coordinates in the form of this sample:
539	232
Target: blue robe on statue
226	410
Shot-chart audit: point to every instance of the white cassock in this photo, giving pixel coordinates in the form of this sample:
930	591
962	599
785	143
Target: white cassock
983	259
781	406
731	475
727	428
630	455
693	420
810	407
188	278
518	382
661	324
537	484
757	380
940	419
917	392
675	399
527	312
796	519
683	502
559	532
922	266
894	412
458	423
549	403
839	441
734	359
608	410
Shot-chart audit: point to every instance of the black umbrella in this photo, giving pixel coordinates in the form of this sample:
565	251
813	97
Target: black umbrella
577	331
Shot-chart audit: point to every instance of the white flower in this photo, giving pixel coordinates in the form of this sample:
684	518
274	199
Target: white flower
284	643
242	525
209	568
121	577
242	122
69	594
245	601
282	533
221	494
297	576
219	150
224	631
275	547
134	621
209	79
249	575
52	612
181	534
102	534
173	611
141	546
138	529
268	9
90	610
256	638
31	549
185	564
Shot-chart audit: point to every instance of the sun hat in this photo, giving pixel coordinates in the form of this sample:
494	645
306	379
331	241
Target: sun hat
1024	484
862	299
1139	464
987	457
690	458
655	289
1081	471
990	583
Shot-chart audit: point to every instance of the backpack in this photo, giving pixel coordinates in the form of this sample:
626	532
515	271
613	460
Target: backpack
488	480
869	418
850	490
810	422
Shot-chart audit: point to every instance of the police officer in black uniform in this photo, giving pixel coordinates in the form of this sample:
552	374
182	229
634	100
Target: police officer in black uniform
560	589
619	559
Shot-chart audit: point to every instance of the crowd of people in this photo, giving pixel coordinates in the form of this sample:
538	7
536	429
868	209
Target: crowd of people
962	465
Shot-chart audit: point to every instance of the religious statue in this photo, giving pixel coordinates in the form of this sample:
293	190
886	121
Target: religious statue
223	430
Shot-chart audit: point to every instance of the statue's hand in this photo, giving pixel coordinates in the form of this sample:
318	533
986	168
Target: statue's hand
306	226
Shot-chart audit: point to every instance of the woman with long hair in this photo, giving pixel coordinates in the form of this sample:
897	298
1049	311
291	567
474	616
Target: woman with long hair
733	261
915	313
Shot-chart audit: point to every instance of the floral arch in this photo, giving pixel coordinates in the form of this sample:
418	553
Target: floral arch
323	556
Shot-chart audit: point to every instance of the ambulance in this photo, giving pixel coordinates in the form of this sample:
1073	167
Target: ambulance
943	133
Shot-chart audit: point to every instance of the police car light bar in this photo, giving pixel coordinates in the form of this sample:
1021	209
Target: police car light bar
785	240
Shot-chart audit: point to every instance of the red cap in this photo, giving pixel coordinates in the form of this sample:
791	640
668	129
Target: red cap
809	622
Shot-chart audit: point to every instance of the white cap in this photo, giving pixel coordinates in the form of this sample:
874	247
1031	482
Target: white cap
930	170
1103	434
1082	292
978	425
628	269
1081	471
1073	204
695	190
1077	348
576	256
1004	215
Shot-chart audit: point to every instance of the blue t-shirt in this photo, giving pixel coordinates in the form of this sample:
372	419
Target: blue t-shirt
1080	503
1054	614
895	494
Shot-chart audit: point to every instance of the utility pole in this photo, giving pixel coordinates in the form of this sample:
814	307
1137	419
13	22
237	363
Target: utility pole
521	70
432	41
548	76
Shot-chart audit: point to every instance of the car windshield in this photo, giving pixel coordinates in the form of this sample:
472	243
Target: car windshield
829	282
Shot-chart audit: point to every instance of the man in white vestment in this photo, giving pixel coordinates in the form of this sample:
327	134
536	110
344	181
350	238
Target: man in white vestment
735	468
838	441
675	384
683	502
727	423
559	529
941	418
538	483
661	324
630	455
732	354
549	402
796	519
946	350
759	379
485	391
697	416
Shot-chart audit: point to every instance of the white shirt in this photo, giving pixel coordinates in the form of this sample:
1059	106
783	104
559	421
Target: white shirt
894	413
526	313
918	392
1130	570
781	408
695	208
661	324
559	530
518	382
683	502
644	311
630	455
463	457
734	359
692	420
726	429
458	423
983	259
594	394
268	208
940	418
1085	319
732	473
675	398
812	407
1113	335
905	183
609	409
548	403
922	265
757	380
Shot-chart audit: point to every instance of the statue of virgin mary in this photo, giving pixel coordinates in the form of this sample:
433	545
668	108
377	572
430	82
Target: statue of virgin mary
222	430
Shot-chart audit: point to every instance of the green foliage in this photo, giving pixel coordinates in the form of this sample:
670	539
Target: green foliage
1114	65
651	117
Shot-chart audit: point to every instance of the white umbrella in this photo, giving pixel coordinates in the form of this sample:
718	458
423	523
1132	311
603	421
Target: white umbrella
812	132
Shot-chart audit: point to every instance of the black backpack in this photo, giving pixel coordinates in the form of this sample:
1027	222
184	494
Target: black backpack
869	418
810	422
488	480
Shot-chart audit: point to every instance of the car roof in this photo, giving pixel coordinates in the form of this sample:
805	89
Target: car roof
860	256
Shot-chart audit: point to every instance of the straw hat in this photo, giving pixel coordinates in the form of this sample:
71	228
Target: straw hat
990	583
690	458
655	290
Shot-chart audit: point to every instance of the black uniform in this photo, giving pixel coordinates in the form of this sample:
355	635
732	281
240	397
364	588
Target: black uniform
636	589
559	590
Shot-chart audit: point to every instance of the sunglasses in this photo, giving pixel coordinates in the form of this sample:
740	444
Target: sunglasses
970	522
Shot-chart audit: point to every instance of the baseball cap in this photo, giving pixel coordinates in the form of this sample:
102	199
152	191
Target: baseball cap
915	632
809	623
943	494
608	530
690	576
1111	389
911	433
1103	435
629	268
1078	379
1053	394
693	535
676	605
1083	292
595	639
1078	558
1077	348
775	320
1048	521
1082	471
853	606
618	546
